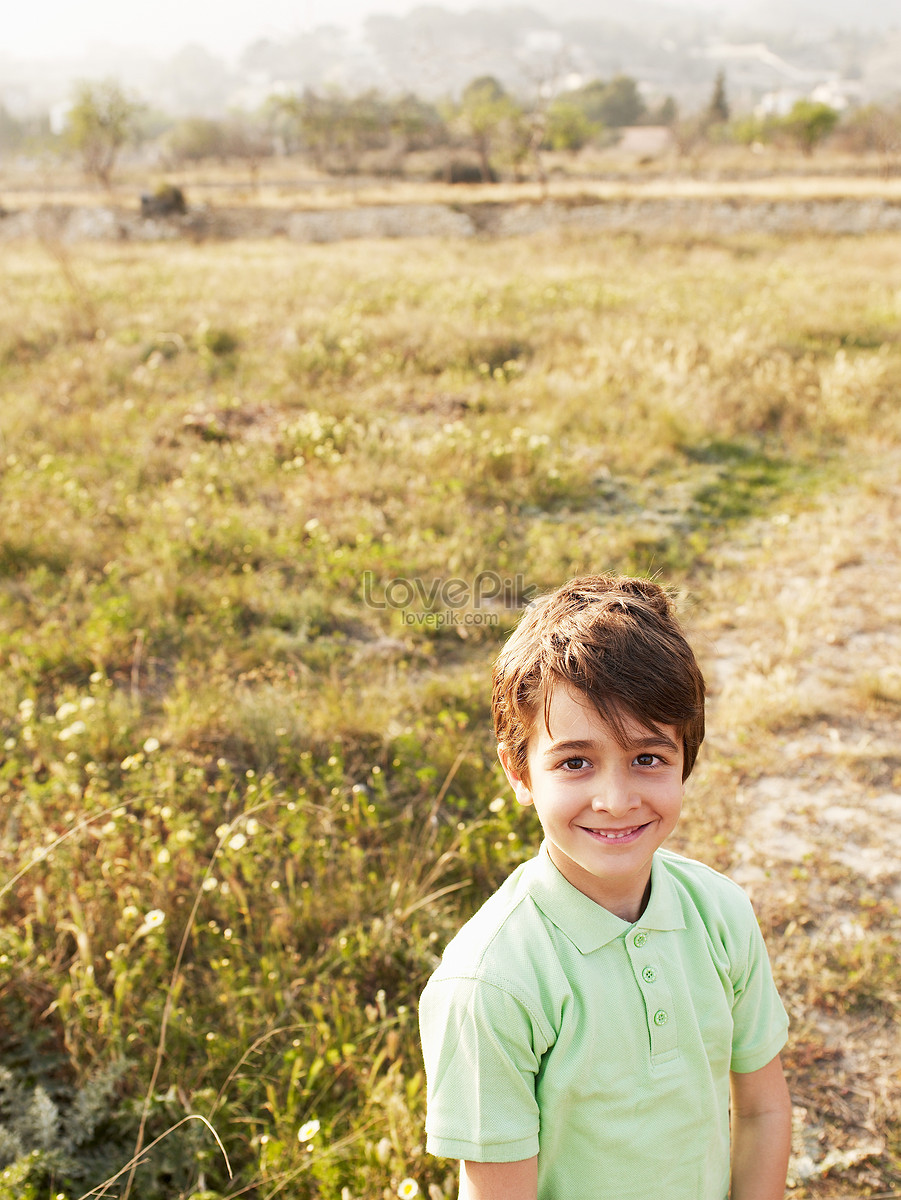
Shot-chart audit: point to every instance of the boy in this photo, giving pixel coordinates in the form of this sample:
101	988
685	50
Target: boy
584	1029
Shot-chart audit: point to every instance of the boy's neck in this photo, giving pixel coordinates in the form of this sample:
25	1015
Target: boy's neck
626	899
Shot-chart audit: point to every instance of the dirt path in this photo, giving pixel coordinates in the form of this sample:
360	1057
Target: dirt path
818	689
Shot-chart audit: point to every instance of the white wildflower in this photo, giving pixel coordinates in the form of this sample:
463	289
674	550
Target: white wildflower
308	1131
152	920
72	731
383	1151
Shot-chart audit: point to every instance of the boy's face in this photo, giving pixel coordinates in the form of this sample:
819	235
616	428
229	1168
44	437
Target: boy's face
604	807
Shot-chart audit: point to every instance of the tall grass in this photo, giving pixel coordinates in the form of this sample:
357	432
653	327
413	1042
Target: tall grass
244	809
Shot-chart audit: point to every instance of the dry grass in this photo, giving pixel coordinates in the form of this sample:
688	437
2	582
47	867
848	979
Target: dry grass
192	496
720	172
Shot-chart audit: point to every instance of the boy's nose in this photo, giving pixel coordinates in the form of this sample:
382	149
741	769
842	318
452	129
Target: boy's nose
615	796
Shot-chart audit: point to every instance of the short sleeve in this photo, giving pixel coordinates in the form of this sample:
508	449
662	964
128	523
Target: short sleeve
760	1023
482	1049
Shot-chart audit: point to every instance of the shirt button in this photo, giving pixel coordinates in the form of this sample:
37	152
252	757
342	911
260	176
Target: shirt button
649	974
640	939
660	1017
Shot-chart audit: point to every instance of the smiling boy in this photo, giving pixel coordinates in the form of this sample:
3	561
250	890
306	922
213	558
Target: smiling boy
606	1026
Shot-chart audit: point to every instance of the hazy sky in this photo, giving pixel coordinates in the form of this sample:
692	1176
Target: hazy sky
62	28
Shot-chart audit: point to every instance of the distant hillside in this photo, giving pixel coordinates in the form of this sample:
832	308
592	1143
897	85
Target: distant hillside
674	51
810	15
819	15
670	49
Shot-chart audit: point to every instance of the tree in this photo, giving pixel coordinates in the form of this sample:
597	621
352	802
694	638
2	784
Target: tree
237	137
338	130
750	130
301	121
484	109
12	131
193	139
808	123
666	112
690	134
613	104
100	122
622	103
548	120
875	129
718	108
416	123
568	127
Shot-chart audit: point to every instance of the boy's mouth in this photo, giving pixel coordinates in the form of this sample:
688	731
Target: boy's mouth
615	835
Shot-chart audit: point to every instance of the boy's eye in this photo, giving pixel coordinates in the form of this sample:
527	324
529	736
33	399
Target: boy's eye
575	764
647	760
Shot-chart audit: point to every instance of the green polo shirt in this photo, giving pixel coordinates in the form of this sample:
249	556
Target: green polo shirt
552	1027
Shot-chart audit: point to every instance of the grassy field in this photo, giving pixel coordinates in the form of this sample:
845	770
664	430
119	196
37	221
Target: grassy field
249	789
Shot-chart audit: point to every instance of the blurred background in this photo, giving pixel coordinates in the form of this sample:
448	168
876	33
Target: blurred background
192	81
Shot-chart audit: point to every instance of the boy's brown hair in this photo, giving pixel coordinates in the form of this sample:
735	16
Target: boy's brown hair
615	639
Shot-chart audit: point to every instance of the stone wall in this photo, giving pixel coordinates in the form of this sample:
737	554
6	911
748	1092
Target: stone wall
713	216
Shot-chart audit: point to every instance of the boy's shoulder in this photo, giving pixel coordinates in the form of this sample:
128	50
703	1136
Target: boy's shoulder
524	935
700	878
501	918
534	920
698	875
719	902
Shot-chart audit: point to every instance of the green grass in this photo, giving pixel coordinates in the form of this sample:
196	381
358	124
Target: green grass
205	451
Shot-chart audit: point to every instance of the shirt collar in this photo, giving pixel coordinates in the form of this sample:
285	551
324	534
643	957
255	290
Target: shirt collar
588	925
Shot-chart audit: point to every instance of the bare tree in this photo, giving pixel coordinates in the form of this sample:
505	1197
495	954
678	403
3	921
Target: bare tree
875	129
101	120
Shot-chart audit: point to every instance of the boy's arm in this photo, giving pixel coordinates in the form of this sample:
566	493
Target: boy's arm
499	1181
761	1133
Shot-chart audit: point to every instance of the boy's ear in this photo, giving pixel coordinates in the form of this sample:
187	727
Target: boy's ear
520	787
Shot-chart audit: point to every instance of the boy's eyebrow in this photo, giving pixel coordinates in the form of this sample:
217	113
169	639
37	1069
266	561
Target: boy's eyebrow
643	743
